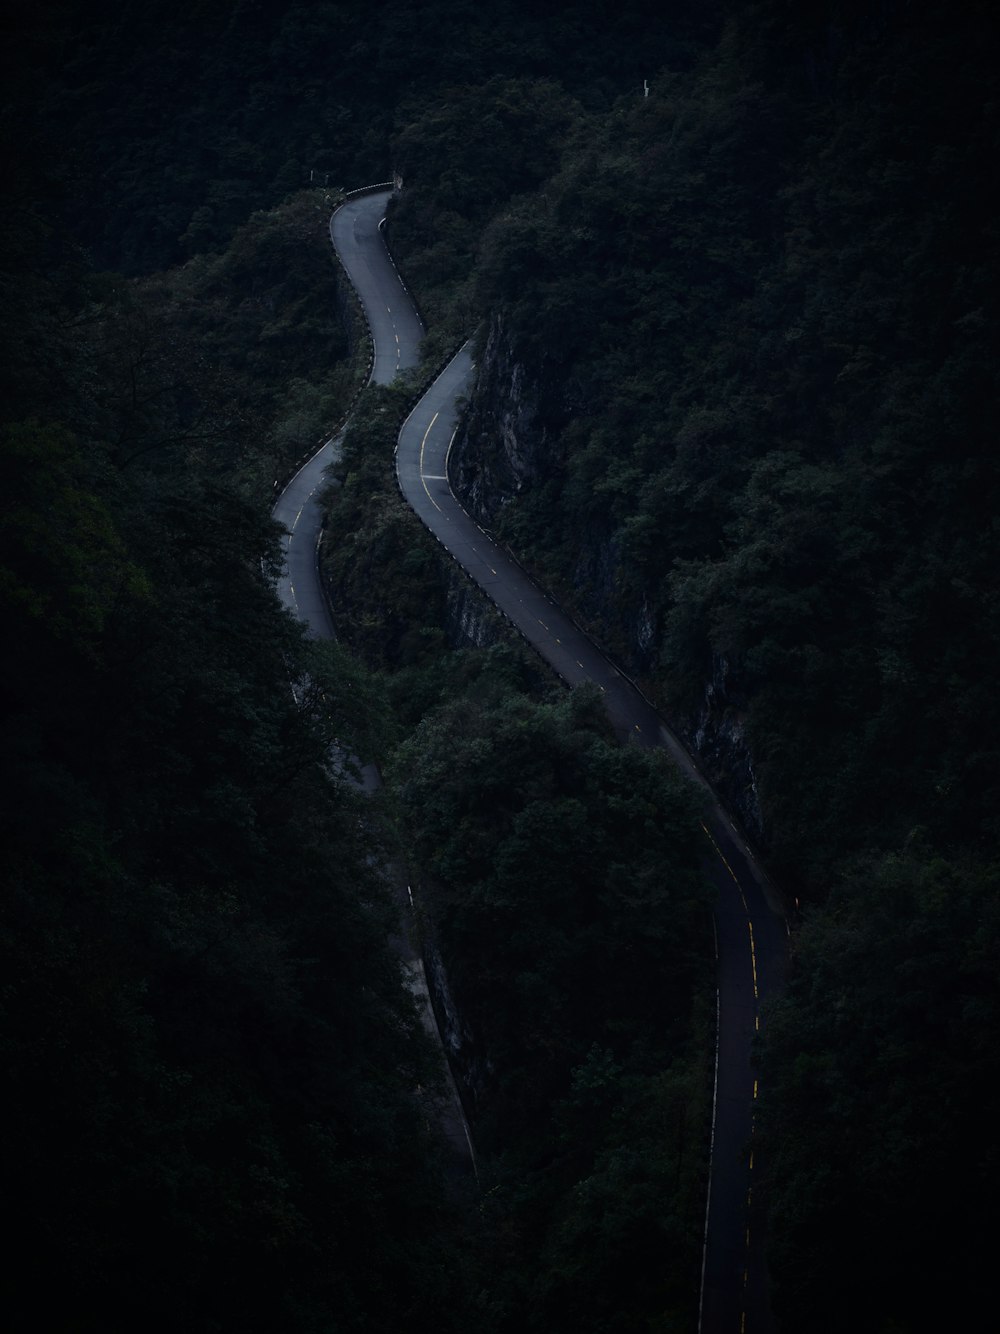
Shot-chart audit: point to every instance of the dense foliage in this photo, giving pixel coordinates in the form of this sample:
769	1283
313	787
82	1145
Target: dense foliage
753	317
211	1067
750	325
755	313
560	883
209	1061
191	121
884	1074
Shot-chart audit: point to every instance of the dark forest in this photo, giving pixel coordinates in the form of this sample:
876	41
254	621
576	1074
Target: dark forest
737	265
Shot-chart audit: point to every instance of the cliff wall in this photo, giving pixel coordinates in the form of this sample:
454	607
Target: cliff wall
502	445
508	445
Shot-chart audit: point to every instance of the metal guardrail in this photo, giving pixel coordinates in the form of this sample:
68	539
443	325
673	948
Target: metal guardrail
293	469
368	190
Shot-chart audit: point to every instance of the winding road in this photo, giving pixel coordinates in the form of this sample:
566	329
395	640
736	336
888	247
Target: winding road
396	334
750	928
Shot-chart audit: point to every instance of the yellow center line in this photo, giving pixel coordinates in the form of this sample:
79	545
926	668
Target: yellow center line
722	859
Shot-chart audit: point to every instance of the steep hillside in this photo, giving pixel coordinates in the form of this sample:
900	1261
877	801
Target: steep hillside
735	405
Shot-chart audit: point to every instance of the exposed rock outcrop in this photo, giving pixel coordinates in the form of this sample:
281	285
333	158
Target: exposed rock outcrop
471	1069
471	620
716	731
501	443
506	445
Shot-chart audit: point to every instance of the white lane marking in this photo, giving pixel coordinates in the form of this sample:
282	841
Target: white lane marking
447	456
423	445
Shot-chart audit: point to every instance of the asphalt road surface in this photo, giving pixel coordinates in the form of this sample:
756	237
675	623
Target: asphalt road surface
750	928
397	334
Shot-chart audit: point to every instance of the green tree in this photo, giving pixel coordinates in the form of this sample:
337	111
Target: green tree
879	1078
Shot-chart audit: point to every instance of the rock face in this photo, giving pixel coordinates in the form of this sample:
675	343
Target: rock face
471	1069
716	731
504	446
501	444
471	620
